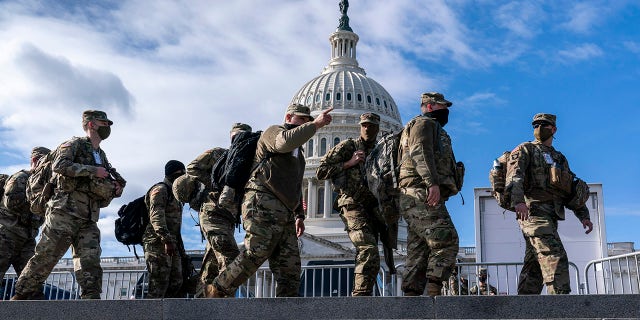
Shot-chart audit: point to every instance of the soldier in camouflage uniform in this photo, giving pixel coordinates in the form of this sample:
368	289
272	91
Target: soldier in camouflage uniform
162	239
483	288
85	182
272	213
427	180
539	178
217	217
18	226
457	287
344	164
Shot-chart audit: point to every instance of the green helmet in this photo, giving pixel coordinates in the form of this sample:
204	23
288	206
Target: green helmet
579	194
185	187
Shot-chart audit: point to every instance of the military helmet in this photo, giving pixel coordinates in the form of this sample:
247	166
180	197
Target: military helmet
579	194
184	187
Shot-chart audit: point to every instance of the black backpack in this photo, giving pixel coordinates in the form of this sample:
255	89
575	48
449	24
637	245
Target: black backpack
132	221
234	167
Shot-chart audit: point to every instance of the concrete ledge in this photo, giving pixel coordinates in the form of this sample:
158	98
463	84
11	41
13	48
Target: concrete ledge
465	307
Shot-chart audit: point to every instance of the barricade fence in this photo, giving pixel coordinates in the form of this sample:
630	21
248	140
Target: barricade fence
337	281
613	275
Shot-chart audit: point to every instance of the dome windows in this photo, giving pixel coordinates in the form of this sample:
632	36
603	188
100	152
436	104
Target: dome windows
368	99
359	97
318	97
348	96
338	96
377	101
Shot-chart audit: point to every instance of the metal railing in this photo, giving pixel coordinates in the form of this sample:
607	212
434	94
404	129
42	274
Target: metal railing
613	275
316	281
504	276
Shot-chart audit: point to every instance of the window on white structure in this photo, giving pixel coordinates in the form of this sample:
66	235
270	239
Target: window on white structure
320	201
310	149
323	146
336	141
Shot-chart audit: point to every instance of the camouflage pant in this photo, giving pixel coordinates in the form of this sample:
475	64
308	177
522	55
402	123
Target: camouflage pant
432	242
360	226
165	272
270	234
16	248
545	260
60	231
221	245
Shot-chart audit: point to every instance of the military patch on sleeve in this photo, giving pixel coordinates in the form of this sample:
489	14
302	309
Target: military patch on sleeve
154	192
65	145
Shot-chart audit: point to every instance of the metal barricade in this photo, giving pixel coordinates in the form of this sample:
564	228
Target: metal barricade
504	276
58	286
613	275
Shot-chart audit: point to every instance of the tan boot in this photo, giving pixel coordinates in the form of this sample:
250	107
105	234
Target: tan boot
18	296
434	289
211	291
362	285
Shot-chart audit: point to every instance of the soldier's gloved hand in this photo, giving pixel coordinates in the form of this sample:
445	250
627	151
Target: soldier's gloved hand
522	212
170	248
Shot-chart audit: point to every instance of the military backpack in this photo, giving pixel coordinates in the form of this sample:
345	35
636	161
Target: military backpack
382	169
234	167
40	184
498	178
133	219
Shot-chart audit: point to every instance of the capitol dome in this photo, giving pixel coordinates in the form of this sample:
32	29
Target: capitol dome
343	85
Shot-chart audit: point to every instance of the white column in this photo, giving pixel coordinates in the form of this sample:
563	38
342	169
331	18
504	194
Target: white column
328	199
310	199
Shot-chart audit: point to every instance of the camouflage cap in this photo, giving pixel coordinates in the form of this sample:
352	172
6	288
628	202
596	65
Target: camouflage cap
544	117
93	115
370	117
39	152
482	270
299	110
435	97
240	127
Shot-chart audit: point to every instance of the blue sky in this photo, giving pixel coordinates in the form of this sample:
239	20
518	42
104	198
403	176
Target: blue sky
174	75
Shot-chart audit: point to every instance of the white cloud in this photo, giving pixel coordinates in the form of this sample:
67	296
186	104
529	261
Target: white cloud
583	17
632	46
522	19
581	52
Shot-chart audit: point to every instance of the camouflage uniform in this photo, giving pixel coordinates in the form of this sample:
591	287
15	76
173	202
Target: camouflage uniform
216	221
165	221
71	217
432	239
271	204
457	287
358	210
481	289
528	177
18	226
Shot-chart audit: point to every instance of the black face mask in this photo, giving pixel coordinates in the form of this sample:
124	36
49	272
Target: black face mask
441	115
290	126
104	132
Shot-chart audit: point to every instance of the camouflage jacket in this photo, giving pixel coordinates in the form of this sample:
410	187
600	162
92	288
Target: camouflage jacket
281	174
15	200
427	157
354	189
528	178
74	168
165	215
200	168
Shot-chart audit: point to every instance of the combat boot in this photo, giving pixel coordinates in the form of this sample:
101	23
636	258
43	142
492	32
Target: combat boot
434	289
211	291
28	296
362	285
